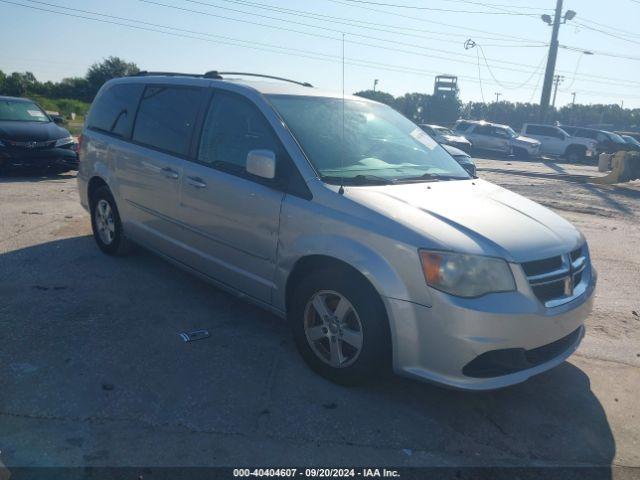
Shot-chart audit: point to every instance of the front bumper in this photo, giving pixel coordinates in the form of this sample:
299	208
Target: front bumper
436	343
44	157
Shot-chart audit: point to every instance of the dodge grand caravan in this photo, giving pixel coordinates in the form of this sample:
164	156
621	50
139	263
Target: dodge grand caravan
341	216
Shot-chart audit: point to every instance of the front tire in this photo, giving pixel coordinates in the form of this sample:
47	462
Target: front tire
575	154
106	224
340	326
520	153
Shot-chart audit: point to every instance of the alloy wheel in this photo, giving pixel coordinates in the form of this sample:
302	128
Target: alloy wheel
104	221
333	329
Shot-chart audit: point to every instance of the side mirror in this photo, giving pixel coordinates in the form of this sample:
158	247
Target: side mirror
57	119
261	163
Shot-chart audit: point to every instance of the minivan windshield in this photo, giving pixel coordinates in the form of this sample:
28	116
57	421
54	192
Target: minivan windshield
21	111
380	145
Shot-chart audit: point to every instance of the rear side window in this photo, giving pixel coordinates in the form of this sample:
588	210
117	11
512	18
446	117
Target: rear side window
166	117
483	130
541	130
114	109
232	128
461	126
586	134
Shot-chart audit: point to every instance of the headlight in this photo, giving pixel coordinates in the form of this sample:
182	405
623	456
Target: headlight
64	141
466	275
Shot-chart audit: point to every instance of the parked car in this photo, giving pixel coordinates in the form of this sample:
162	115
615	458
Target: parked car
606	142
463	158
497	138
444	136
30	137
378	249
635	144
556	141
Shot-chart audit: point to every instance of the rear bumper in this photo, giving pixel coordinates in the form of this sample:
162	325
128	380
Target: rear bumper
49	157
485	343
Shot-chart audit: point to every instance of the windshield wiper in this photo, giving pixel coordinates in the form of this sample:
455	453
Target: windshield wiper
361	179
429	177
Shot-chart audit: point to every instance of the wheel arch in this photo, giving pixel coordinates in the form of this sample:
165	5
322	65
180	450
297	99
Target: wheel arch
575	147
324	251
94	184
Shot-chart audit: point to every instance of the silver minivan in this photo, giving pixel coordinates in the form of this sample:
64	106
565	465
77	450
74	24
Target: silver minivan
341	216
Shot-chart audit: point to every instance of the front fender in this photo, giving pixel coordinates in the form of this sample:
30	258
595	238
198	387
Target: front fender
384	278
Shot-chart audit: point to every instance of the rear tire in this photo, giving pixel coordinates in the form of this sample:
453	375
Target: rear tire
349	342
106	224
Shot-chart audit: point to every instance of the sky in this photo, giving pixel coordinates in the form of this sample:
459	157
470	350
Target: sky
402	43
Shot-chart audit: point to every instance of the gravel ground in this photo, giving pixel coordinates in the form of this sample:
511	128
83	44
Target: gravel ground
92	371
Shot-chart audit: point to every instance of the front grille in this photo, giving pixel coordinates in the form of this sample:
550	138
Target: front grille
31	144
554	280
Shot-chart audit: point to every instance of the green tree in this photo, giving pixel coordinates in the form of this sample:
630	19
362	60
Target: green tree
111	67
18	84
378	96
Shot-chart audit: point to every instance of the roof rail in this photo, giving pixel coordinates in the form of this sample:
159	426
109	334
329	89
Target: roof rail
145	73
218	76
246	74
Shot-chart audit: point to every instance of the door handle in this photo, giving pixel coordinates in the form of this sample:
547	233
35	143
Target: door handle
170	173
196	182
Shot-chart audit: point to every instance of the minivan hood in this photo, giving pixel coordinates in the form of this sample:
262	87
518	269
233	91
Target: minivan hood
472	216
31	131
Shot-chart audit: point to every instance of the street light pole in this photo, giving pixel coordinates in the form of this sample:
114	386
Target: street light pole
553	55
573	100
375	84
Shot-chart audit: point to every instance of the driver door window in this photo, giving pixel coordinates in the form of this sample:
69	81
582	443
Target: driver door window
233	127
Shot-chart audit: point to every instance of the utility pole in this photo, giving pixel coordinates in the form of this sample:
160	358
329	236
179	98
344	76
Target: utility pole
557	80
553	54
498	96
573	100
375	84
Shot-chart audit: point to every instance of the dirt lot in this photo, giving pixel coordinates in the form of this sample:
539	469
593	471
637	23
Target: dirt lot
92	371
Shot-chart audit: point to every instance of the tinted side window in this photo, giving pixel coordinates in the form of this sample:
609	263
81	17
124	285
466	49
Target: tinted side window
461	126
483	130
499	132
232	128
542	130
166	117
114	109
585	134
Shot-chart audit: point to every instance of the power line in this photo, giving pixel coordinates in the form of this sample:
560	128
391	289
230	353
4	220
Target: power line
239	43
496	5
610	27
455	54
516	86
604	32
231	41
342	21
599	53
348	21
424	20
453	59
434	9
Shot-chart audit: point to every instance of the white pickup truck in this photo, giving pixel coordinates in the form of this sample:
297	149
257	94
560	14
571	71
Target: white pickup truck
555	141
